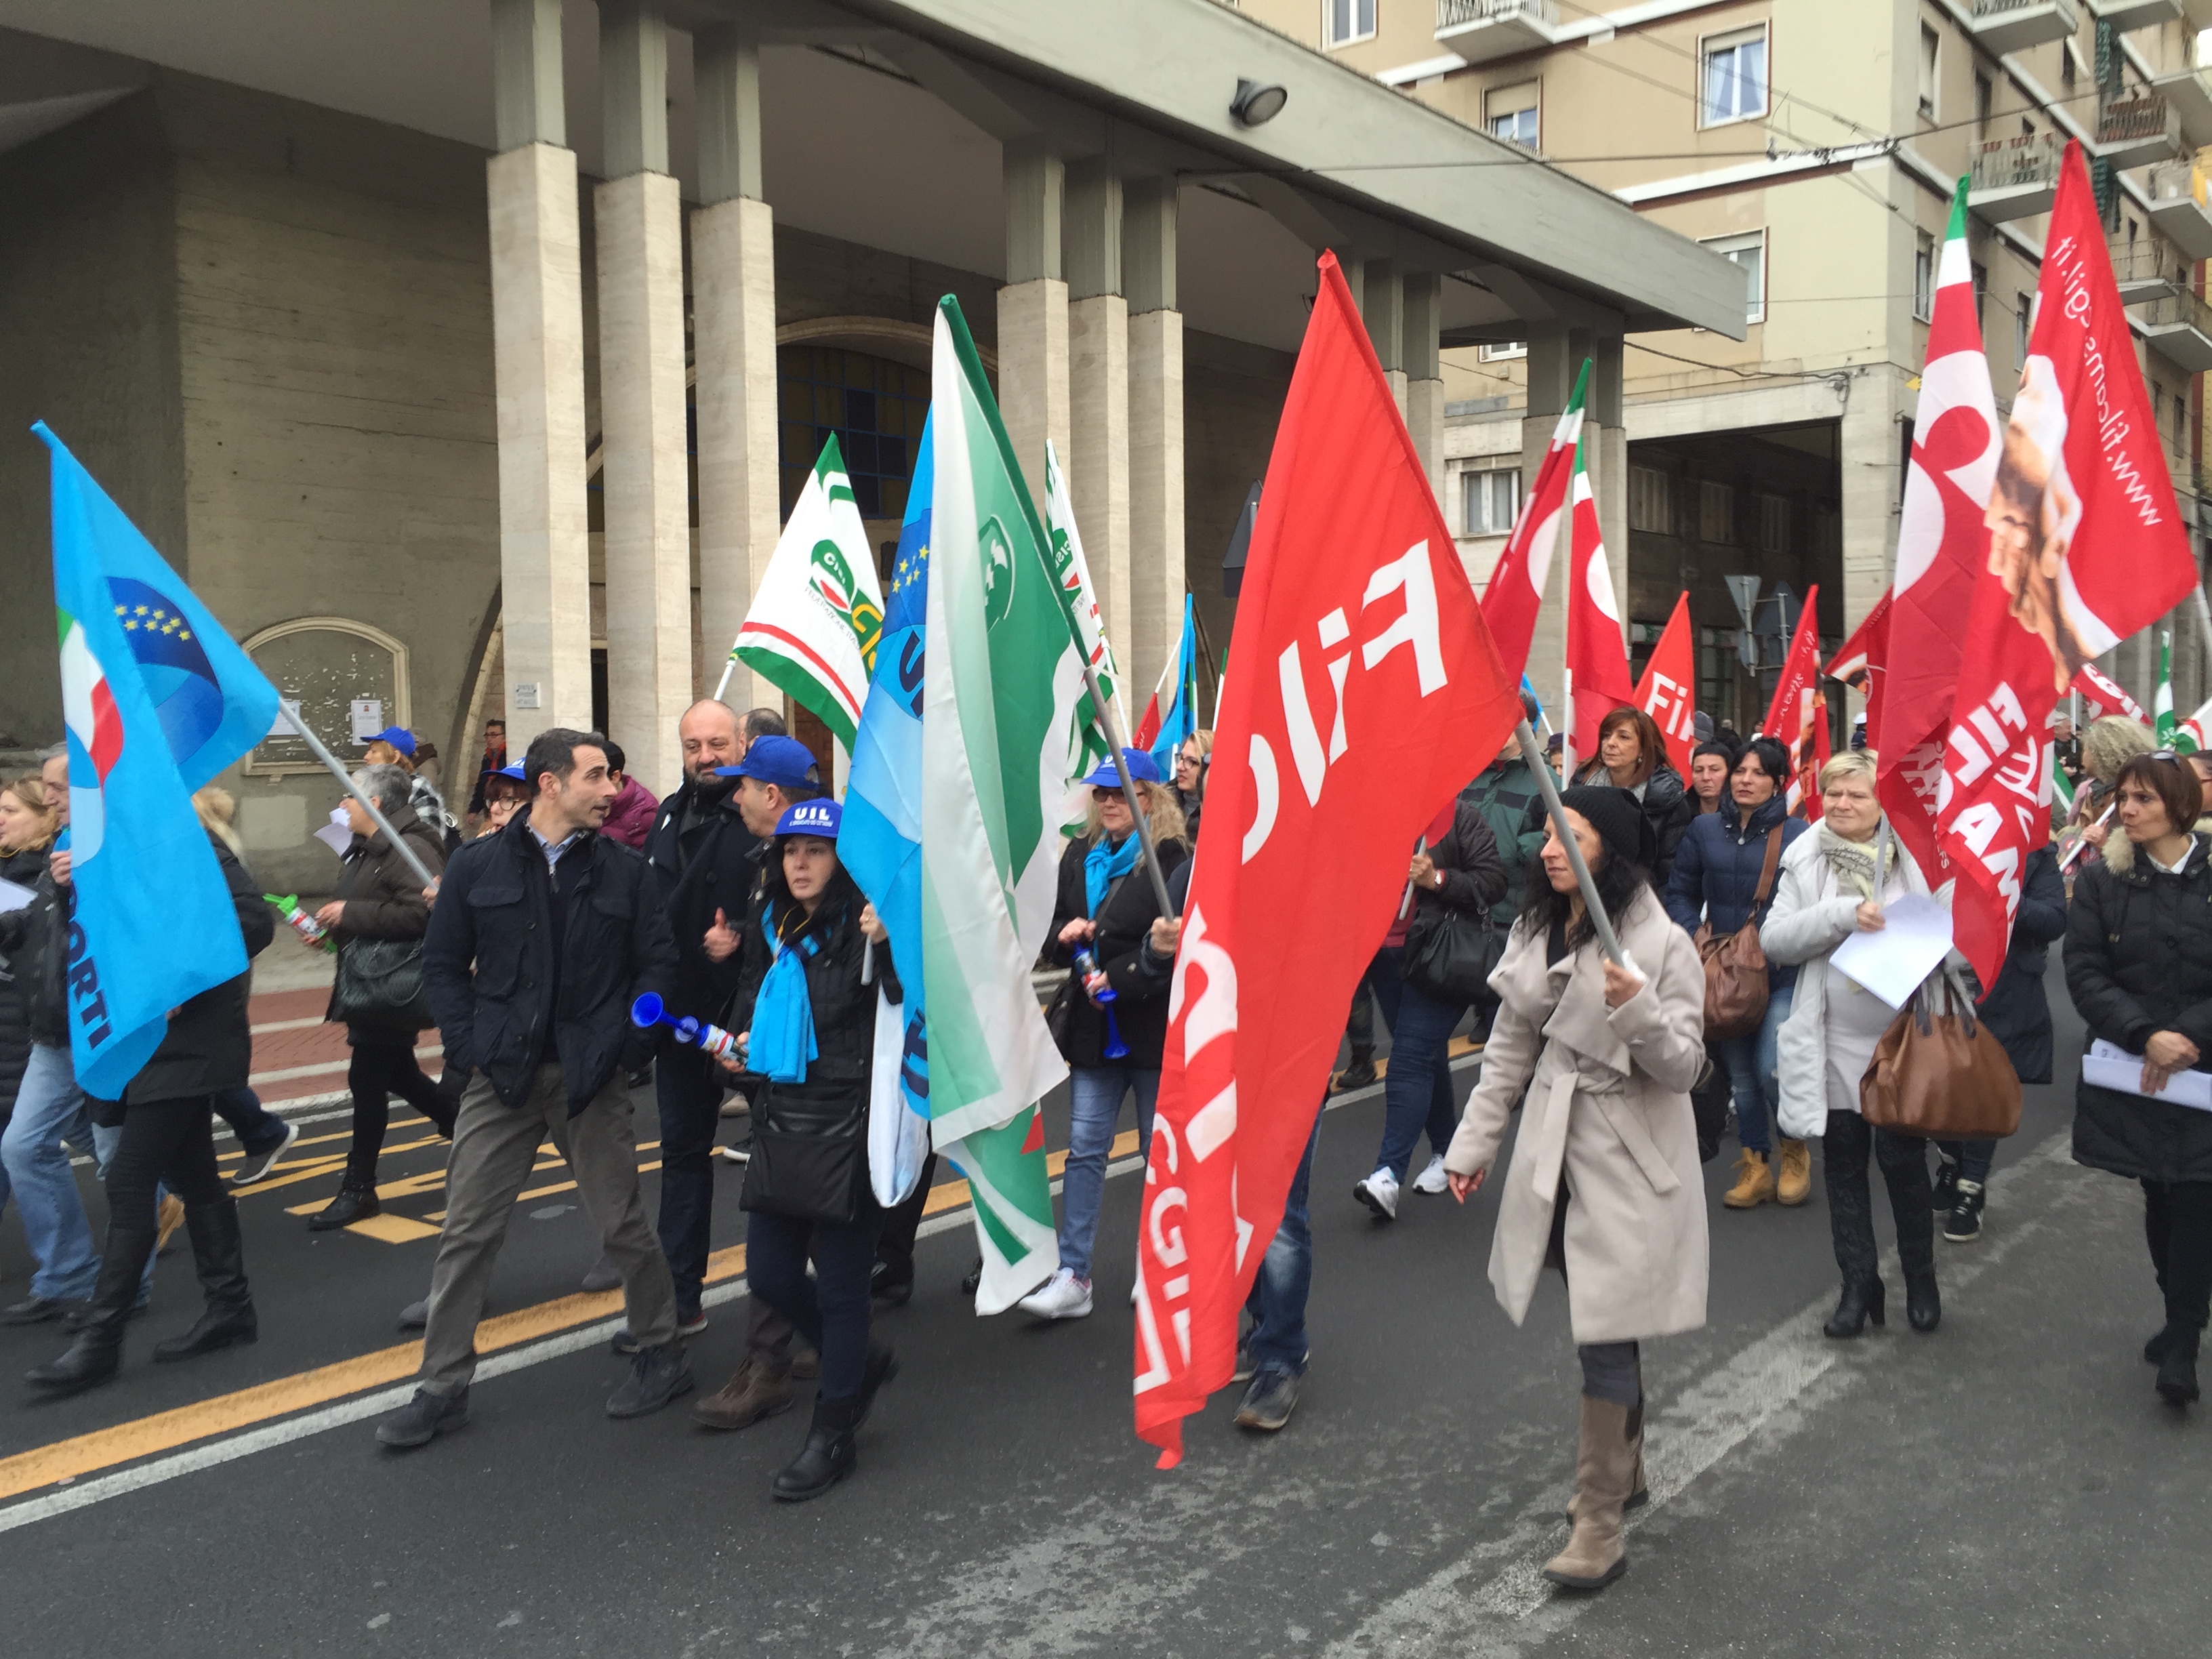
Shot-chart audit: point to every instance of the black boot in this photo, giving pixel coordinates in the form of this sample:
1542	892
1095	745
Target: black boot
2177	1364
1862	1300
1923	1303
1358	1074
98	1351
883	1365
828	1457
357	1200
220	1255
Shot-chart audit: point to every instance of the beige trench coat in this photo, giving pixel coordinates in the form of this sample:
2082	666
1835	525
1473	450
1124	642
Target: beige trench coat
1608	1111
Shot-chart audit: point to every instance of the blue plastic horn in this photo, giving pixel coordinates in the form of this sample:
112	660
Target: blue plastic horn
648	1011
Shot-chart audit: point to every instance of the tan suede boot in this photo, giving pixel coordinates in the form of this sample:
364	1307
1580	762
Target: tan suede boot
1754	1181
1794	1183
1605	1468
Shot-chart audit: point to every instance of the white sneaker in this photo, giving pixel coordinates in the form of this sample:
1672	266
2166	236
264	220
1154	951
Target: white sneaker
1379	1193
1062	1296
1432	1179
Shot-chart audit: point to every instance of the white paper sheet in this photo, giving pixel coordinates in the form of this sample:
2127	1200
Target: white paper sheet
337	834
1915	938
13	896
2111	1066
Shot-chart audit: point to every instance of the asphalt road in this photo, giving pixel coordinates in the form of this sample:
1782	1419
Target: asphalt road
2009	1484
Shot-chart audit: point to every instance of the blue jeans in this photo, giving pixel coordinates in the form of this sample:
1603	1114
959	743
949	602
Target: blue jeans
1417	1090
1973	1158
1096	1092
1278	1300
1377	988
1753	1075
49	1109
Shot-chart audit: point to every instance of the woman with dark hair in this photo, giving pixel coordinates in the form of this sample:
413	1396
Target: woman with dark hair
1719	875
1710	764
1605	1183
1631	755
807	1024
2139	968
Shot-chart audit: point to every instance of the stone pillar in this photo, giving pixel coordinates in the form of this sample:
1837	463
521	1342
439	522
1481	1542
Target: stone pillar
1382	303
1157	578
1033	313
1423	361
1608	456
1097	461
637	216
734	351
1551	382
538	371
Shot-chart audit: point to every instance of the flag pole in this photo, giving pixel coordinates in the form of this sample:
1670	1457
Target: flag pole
315	744
729	664
1105	713
1591	904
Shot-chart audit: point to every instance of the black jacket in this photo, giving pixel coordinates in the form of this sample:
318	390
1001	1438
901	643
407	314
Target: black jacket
714	866
35	942
1716	871
17	975
2016	1009
1141	1012
488	962
2138	961
1668	807
208	1048
1474	875
384	896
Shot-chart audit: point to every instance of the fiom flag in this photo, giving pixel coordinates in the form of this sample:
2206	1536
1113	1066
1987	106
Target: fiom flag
1370	694
1515	592
1669	691
1597	656
1798	708
157	700
1862	663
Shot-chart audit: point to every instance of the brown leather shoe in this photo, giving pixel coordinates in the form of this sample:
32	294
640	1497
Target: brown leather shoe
744	1399
1794	1183
1754	1181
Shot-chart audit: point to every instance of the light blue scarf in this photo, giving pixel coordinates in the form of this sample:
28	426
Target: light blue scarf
1103	865
783	1013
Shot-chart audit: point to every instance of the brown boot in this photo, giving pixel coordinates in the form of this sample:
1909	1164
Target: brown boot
1605	1468
1754	1181
1794	1182
753	1393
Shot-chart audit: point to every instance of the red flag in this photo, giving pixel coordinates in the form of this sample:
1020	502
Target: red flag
2108	694
1515	590
1668	690
1597	654
1371	692
1790	716
2086	545
1864	664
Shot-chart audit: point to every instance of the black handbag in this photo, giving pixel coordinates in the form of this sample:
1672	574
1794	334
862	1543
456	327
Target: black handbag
810	1151
379	982
1450	954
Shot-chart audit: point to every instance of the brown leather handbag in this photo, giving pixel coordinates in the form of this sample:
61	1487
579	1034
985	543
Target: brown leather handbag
1736	965
1941	1074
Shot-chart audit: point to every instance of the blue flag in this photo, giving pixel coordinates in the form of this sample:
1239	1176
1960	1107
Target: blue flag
879	840
1179	718
157	700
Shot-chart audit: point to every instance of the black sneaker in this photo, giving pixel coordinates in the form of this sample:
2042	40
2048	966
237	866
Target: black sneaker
656	1376
254	1165
1357	1075
1945	1193
1269	1403
422	1420
1964	1225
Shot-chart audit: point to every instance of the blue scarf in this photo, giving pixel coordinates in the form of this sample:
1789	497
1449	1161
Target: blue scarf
1103	865
783	1013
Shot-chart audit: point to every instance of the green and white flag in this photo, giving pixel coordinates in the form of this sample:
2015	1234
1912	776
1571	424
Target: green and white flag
2163	725
1087	741
999	688
812	629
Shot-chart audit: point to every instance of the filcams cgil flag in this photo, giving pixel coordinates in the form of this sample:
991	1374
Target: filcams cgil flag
1371	693
156	699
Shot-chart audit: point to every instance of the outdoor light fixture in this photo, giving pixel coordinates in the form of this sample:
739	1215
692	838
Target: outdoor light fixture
1256	105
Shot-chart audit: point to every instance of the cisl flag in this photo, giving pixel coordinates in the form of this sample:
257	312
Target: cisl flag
1669	691
1371	692
1597	656
1516	592
1798	708
2085	546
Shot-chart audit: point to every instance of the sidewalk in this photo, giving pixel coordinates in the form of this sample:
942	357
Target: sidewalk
299	1059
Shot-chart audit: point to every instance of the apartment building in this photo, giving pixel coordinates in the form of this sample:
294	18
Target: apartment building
1815	143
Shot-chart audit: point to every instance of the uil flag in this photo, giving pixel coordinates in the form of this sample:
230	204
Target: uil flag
1864	664
156	699
1370	694
1597	657
1941	545
1669	691
2085	546
1515	591
815	620
1791	717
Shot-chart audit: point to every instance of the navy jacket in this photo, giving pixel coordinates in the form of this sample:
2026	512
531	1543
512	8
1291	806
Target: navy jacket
2016	1009
1716	874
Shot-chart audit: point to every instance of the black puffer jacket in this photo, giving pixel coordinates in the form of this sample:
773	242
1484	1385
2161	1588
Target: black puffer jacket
2016	1010
488	962
384	900
1140	1012
35	941
16	974
1668	807
210	1046
2139	961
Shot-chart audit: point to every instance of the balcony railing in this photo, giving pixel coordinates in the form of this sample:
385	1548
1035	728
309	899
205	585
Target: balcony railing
2146	267
1453	14
2177	325
2006	26
2177	181
2021	159
2139	115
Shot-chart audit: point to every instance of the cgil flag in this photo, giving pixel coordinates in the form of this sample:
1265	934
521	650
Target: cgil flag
156	699
1597	679
1668	690
1798	708
2086	545
1515	590
816	619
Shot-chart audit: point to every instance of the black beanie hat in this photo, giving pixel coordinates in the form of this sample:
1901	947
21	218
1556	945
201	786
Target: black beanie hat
1618	817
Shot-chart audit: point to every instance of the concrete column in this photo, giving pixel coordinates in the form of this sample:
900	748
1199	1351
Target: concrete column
1157	577
637	215
1871	473
1098	387
1608	453
1383	303
1033	313
538	371
1551	382
1423	362
733	354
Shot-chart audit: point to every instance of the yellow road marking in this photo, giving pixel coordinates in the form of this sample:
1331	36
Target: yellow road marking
392	1229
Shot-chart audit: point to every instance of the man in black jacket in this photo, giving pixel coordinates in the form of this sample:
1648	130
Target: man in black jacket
543	936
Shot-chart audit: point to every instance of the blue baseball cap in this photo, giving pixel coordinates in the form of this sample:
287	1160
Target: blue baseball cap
784	761
399	738
1142	769
810	818
514	771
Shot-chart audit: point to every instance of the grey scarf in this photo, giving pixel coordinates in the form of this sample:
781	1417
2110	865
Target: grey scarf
1853	861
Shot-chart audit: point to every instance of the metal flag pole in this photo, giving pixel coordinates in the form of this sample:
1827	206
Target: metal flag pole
1880	854
729	664
315	744
1557	808
1105	713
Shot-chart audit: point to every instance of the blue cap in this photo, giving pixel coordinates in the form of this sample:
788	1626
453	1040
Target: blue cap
784	761
399	738
514	771
1142	769
810	818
